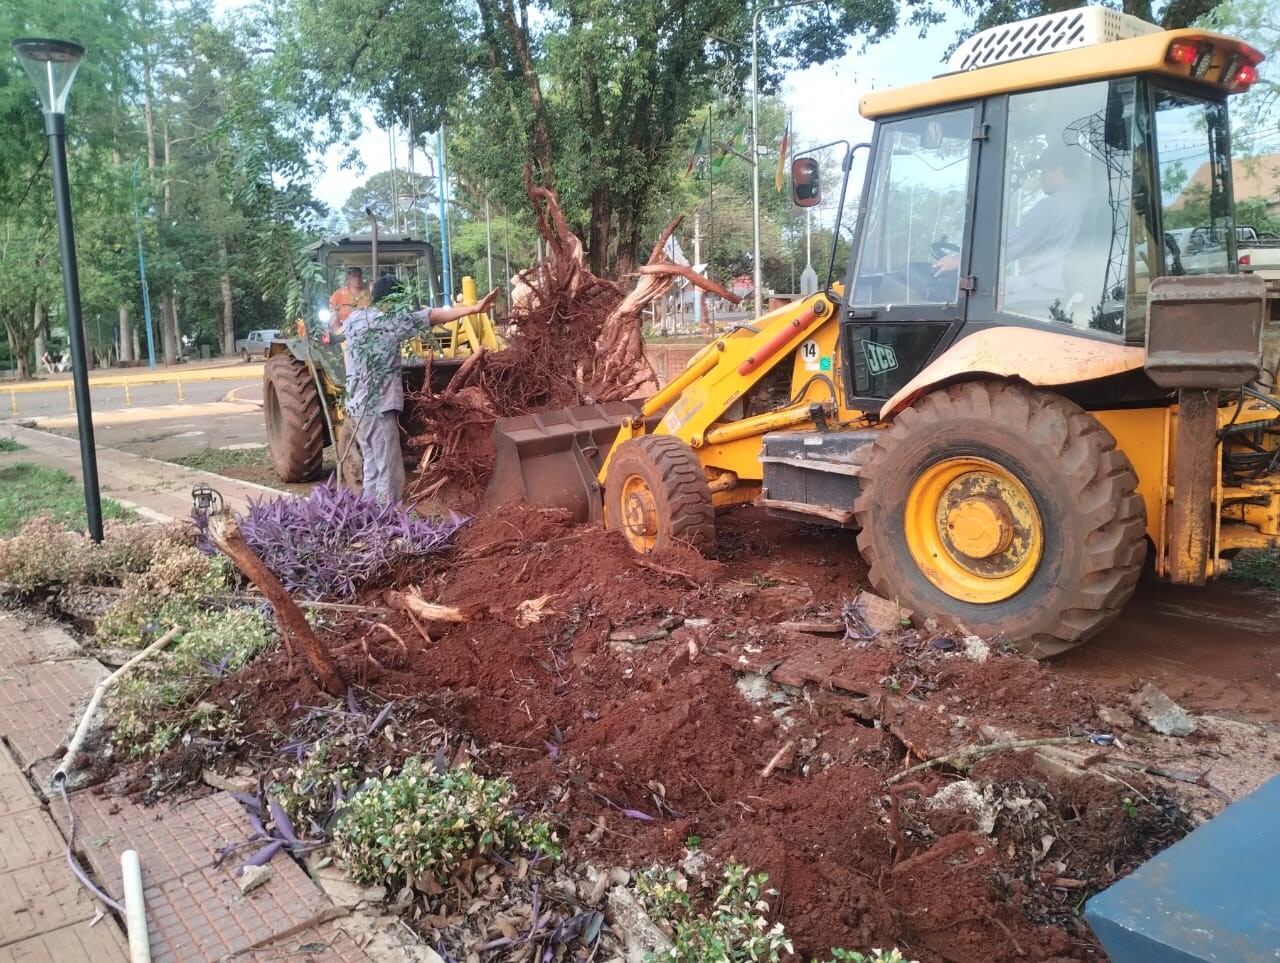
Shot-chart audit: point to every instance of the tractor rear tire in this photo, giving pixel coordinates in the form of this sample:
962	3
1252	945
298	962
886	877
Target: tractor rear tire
1005	510
294	417
656	494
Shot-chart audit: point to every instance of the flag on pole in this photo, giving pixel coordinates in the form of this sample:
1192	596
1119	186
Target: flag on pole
779	174
726	149
698	149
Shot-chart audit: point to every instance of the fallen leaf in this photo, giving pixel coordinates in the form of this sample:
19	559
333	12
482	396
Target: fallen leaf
532	610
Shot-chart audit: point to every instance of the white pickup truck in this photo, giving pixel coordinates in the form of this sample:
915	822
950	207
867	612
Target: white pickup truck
1259	253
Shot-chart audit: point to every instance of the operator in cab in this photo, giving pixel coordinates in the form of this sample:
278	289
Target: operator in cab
352	296
1043	243
375	391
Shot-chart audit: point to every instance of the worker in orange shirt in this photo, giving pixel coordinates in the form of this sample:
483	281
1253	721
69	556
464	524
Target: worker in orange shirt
352	296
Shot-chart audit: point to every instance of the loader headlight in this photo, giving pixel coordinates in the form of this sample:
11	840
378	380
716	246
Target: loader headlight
324	315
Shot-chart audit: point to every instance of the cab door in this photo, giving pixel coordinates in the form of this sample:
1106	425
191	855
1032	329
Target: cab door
910	276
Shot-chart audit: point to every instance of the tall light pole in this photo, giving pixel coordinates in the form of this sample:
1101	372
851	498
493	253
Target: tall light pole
755	141
52	66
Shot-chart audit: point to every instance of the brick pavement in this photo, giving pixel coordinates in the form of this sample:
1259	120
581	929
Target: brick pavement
195	910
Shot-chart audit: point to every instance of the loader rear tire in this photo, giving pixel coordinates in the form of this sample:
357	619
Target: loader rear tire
657	496
1005	510
295	421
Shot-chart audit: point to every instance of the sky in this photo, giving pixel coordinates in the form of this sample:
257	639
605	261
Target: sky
823	101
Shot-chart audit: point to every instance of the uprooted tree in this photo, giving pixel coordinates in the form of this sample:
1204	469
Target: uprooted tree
576	339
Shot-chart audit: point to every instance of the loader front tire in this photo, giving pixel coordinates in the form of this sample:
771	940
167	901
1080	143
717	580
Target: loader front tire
1005	510
295	421
656	494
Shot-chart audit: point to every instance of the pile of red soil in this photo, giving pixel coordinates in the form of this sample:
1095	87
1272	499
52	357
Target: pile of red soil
600	698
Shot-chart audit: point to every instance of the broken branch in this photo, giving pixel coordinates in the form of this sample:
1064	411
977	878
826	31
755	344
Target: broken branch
968	755
413	603
294	628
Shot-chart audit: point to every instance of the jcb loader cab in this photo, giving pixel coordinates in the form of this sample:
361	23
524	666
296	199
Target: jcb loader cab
1020	391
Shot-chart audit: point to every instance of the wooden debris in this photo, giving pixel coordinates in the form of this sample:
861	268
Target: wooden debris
294	628
783	757
413	602
970	754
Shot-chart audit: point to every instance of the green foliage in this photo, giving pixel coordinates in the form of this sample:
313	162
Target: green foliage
28	490
875	956
421	823
734	929
307	791
157	702
173	590
46	553
1260	568
8	444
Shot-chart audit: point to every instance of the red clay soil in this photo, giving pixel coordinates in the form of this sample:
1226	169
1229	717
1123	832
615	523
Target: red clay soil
598	726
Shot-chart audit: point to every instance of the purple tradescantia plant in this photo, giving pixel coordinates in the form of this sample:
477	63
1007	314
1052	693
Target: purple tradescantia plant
333	541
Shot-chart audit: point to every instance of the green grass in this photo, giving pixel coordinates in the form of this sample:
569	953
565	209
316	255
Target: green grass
8	444
218	460
1260	568
27	490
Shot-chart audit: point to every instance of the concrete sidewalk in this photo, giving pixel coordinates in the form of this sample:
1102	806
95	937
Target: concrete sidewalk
158	490
195	909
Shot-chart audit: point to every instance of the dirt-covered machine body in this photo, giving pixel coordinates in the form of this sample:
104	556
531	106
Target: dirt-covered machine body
1019	386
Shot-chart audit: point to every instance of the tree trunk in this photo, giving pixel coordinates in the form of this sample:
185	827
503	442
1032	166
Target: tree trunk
18	345
517	33
126	334
169	328
294	627
90	349
41	339
137	343
628	243
598	239
228	315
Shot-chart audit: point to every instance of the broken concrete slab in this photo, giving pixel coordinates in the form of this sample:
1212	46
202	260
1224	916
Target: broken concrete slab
641	938
343	891
1161	713
251	877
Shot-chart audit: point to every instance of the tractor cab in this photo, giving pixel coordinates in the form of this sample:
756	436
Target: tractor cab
1065	163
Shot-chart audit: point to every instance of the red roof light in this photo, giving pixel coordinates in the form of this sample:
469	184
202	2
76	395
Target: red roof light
1182	52
1246	77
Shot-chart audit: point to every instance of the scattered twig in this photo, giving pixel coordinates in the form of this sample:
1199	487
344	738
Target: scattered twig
1187	777
778	756
663	570
394	635
969	754
1004	929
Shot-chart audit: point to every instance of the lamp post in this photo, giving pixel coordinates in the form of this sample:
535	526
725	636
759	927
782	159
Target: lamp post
52	66
755	141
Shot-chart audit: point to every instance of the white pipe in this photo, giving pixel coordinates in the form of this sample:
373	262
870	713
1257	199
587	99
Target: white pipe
86	721
135	910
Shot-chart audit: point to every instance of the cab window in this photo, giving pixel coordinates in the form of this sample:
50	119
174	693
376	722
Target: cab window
1064	254
1195	189
914	231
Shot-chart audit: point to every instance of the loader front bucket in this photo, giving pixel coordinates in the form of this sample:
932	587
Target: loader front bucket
552	458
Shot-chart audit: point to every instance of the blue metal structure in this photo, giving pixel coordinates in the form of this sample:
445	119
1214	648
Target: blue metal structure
1212	897
446	260
142	273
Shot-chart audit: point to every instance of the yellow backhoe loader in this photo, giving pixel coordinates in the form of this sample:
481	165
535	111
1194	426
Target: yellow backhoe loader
1022	391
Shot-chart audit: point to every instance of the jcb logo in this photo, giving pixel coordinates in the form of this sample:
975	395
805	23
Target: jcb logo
880	357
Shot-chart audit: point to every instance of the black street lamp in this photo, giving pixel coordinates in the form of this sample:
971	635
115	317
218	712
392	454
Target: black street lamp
52	66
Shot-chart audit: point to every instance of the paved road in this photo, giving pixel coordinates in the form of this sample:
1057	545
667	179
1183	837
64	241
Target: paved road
55	400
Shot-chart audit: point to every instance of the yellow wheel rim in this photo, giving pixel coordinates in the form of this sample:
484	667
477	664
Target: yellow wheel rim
973	529
639	514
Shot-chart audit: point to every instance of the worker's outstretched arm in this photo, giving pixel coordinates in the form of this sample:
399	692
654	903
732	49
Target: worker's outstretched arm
445	315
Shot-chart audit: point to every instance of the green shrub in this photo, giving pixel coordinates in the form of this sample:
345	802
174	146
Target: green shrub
1259	567
173	590
45	553
734	929
425	823
152	706
875	956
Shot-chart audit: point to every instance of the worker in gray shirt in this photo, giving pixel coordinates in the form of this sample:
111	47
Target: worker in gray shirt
1044	241
375	392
